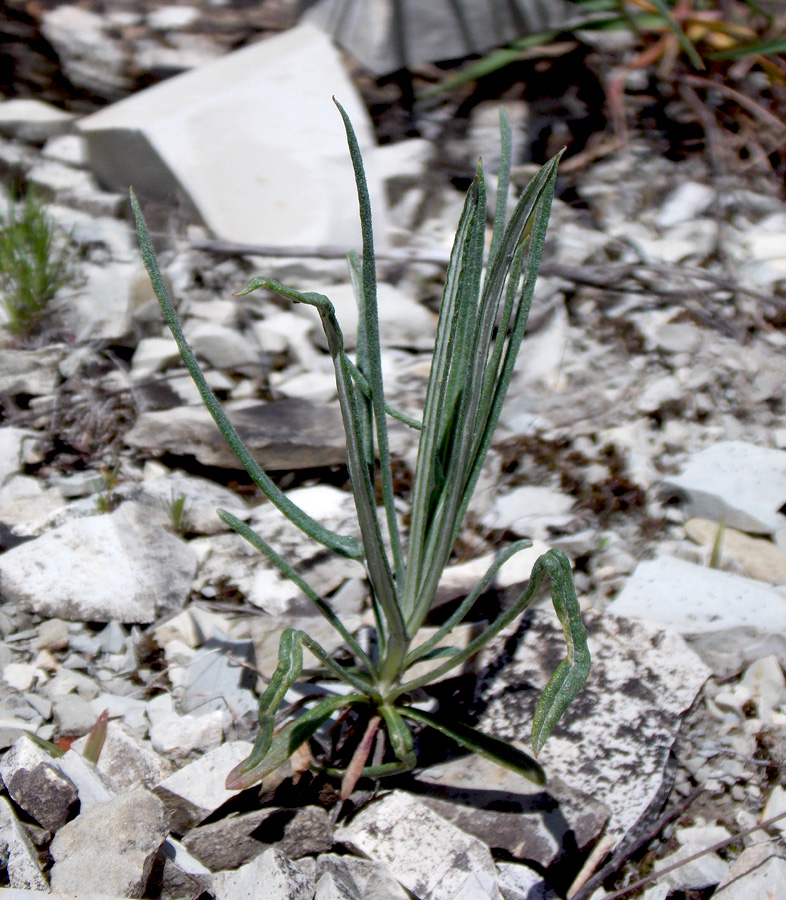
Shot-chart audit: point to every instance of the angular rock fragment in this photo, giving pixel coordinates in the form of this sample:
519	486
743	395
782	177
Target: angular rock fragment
282	879
126	760
508	812
729	620
18	855
742	484
32	372
36	784
194	792
148	140
615	738
110	847
519	882
426	853
759	871
285	434
93	787
116	566
365	878
233	841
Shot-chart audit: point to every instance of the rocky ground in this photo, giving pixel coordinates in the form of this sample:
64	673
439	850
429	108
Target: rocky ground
643	435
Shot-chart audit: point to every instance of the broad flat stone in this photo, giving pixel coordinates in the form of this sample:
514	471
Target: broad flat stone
742	484
433	31
37	785
15	444
729	620
758	557
285	434
126	760
614	740
33	120
115	566
426	853
508	812
202	499
20	859
194	792
519	882
233	841
530	510
759	871
282	879
30	371
369	880
100	308
110	847
197	134
217	680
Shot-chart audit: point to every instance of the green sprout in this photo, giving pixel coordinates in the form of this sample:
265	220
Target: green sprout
31	268
481	324
178	507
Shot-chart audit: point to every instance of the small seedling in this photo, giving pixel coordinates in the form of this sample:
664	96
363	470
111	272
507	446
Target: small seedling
481	324
177	507
32	268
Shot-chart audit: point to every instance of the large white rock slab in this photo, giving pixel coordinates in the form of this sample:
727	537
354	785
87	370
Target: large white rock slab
271	875
119	566
251	140
693	599
427	854
741	483
614	740
110	847
728	619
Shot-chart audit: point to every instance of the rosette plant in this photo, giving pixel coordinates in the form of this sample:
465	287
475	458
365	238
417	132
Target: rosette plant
481	325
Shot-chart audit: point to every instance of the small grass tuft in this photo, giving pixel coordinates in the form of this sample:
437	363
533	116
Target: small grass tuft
32	267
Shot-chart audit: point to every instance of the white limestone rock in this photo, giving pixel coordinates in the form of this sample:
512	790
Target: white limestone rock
16	445
20	859
110	847
90	58
115	566
614	740
37	785
30	371
282	879
33	120
740	483
126	760
181	737
364	878
729	620
243	117
533	822
759	871
194	792
426	853
530	510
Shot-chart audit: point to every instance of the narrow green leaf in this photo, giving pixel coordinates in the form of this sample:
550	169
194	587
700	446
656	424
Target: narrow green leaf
290	665
345	546
401	739
491	748
685	42
286	569
372	347
758	48
285	742
572	672
380	575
